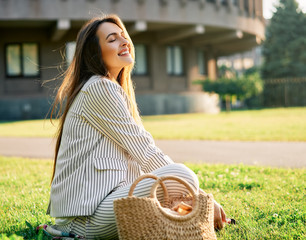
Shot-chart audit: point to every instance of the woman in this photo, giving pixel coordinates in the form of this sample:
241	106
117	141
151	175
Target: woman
102	146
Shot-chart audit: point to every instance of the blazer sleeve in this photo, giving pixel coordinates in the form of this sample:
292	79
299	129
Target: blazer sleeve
107	111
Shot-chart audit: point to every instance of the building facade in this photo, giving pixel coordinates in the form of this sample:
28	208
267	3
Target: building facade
176	43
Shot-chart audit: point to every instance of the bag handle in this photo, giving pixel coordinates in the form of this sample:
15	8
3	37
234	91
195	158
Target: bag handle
148	175
190	189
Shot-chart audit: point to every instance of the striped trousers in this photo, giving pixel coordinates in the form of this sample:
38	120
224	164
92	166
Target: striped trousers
102	224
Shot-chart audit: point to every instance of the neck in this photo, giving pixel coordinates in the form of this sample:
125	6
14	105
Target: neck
113	75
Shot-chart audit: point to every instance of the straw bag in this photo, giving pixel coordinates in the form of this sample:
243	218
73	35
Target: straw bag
145	218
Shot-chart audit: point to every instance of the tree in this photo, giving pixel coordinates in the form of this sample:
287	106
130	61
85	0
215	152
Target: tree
284	49
247	86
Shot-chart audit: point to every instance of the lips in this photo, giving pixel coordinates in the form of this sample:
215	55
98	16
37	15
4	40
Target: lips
124	52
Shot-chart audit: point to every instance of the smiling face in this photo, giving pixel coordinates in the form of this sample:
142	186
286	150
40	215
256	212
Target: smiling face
115	48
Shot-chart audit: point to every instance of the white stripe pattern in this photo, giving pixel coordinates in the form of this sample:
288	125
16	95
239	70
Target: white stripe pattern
102	149
102	224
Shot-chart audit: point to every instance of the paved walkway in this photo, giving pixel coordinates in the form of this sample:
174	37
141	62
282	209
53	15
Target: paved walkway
274	154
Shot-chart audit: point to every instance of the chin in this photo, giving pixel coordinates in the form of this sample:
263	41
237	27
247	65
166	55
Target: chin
128	62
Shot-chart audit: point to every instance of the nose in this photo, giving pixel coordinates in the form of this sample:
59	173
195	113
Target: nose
124	41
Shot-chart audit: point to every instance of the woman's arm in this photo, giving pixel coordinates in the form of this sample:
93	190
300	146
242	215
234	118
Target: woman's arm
106	110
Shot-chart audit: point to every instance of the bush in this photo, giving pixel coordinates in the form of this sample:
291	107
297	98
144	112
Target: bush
246	87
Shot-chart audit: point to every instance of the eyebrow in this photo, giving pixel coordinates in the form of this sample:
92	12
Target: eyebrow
114	33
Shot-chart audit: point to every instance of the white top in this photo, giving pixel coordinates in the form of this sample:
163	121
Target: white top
102	148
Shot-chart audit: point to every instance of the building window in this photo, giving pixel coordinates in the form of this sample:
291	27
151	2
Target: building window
201	62
70	49
174	60
141	65
22	60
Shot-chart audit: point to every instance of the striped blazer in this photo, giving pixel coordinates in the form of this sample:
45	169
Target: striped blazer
102	148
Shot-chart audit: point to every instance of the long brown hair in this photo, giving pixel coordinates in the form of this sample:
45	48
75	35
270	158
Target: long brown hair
87	61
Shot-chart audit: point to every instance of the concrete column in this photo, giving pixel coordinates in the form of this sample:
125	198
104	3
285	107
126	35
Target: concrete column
230	4
191	67
212	70
251	8
260	10
241	6
256	8
158	68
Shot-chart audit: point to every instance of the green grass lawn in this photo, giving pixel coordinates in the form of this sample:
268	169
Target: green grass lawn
268	203
282	124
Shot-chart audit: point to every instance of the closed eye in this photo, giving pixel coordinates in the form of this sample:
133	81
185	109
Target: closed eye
114	39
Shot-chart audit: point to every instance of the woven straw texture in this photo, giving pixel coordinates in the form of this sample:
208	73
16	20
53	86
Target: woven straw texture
145	218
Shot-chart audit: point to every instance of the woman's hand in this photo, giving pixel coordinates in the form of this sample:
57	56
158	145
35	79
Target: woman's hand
219	216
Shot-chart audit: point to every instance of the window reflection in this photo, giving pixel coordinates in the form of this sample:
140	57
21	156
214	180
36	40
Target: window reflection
140	60
174	60
30	59
22	60
13	67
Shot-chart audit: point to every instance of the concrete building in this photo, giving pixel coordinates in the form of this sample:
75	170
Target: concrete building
176	42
